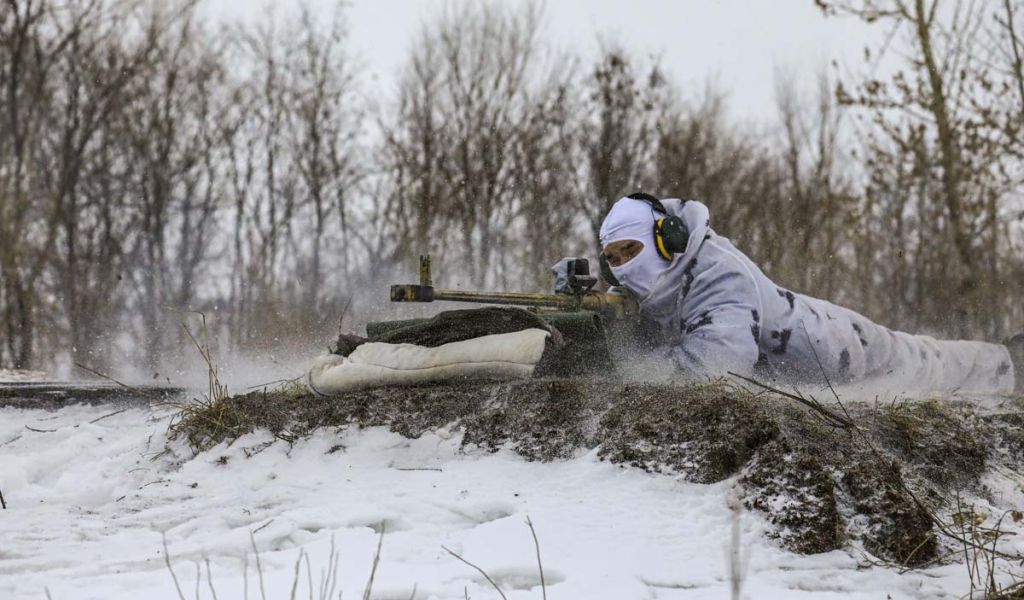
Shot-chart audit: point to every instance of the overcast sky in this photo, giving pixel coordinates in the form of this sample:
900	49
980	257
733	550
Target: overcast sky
739	43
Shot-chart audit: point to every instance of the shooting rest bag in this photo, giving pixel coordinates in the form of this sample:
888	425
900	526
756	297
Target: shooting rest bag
375	364
464	324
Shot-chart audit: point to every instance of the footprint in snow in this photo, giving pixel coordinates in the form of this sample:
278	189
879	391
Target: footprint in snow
381	523
522	578
480	513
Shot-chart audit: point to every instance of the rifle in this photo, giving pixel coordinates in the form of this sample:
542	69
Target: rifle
596	325
573	292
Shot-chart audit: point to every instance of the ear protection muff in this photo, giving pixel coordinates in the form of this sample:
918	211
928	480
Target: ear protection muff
670	236
670	232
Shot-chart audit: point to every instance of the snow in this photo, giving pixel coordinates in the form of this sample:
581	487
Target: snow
91	493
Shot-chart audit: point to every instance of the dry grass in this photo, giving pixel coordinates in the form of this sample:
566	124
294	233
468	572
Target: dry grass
218	415
204	422
981	555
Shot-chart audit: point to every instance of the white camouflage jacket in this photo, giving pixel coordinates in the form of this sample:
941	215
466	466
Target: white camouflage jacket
718	312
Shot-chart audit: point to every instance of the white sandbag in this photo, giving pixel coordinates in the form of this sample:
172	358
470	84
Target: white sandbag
499	356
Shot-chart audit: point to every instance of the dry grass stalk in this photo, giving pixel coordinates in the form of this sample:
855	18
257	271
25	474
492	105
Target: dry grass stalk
329	578
540	565
735	559
259	567
203	422
479	570
217	391
980	558
167	561
309	577
376	561
295	580
209	578
828	416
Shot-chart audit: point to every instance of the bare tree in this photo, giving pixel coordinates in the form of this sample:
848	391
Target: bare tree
619	141
323	140
939	127
29	55
463	100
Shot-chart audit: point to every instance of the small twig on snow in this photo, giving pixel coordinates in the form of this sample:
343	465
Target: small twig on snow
295	581
376	561
479	570
540	565
209	578
259	567
309	577
167	561
116	412
40	430
329	576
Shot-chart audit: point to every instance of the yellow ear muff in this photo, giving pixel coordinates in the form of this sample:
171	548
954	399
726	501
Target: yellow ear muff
659	240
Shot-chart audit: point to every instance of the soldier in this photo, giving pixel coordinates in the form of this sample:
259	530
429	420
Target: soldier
715	312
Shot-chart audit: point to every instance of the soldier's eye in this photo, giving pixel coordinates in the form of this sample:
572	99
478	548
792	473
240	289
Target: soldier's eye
621	253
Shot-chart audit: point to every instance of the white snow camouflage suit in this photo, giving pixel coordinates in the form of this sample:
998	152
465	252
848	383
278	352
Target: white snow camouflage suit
716	312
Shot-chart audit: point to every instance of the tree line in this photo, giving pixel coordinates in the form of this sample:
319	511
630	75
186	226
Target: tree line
152	164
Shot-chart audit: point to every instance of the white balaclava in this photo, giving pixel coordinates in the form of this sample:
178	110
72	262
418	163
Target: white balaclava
631	219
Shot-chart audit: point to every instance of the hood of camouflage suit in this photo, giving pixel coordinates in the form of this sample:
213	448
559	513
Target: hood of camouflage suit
661	305
631	219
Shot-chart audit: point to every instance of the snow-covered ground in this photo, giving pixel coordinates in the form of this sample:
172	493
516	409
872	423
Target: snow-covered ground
89	497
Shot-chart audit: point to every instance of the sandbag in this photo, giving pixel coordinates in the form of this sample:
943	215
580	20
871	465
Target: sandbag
499	356
464	324
578	344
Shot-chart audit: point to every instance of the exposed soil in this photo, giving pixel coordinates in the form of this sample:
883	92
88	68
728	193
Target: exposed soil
821	486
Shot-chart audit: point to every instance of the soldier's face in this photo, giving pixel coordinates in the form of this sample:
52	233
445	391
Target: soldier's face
621	252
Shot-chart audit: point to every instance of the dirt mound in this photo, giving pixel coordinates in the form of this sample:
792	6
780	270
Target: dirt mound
820	484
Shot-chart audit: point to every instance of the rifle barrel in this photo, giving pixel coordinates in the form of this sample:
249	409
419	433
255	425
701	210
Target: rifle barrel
564	302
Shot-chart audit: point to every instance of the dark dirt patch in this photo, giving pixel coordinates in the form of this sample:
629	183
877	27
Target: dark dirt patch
819	485
797	494
1008	434
541	420
945	448
703	433
898	528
